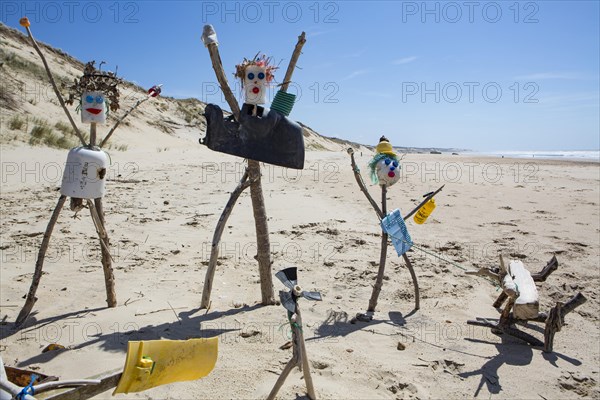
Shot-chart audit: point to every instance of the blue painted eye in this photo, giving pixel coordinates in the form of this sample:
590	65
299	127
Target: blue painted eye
387	161
395	164
250	76
89	99
261	75
99	99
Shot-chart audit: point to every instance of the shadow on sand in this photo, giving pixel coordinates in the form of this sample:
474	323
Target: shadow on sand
189	325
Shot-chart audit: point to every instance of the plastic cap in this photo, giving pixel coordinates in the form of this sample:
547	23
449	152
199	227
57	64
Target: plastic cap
385	148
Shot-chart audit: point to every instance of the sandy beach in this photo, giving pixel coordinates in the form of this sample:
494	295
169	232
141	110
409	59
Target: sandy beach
162	207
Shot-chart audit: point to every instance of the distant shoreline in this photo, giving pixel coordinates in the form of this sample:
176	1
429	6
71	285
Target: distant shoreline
583	155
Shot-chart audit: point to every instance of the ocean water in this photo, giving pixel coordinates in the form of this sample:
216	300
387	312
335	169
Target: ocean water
581	155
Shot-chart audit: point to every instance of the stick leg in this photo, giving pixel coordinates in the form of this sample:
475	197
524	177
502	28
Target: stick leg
505	315
310	389
214	252
382	257
500	300
39	264
556	318
109	278
414	279
284	374
380	274
262	234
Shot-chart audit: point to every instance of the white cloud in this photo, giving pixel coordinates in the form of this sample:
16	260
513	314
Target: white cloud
354	74
404	60
316	33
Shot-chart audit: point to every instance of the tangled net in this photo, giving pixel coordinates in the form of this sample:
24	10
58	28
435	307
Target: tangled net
94	80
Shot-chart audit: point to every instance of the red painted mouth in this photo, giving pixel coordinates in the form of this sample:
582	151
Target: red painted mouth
255	90
94	111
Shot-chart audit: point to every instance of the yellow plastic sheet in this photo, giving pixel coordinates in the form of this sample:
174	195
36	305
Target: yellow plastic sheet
153	363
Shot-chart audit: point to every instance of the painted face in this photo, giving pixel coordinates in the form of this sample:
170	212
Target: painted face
93	108
388	171
255	84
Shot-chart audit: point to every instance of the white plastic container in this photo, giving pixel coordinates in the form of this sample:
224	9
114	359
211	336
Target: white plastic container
93	107
85	173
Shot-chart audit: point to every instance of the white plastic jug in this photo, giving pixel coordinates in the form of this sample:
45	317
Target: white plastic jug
85	171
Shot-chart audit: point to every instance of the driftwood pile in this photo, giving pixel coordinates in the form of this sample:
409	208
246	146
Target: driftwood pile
520	294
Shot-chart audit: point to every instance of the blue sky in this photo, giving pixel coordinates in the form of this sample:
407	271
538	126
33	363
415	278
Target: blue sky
486	75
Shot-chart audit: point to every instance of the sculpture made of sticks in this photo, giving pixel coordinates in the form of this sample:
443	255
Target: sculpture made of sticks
520	293
386	171
252	175
85	172
289	300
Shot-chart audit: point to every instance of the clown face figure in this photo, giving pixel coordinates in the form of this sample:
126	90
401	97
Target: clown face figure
384	166
388	171
255	84
93	107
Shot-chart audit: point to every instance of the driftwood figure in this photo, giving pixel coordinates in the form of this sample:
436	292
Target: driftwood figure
84	176
385	170
289	300
255	133
522	302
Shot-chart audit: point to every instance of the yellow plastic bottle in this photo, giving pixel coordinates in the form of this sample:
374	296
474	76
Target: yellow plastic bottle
424	212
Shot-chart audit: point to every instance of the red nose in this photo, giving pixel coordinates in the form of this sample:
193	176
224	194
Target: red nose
391	174
94	111
255	90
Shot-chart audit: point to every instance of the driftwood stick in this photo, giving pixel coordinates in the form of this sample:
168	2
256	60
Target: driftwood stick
299	359
382	256
217	65
107	381
550	267
263	246
99	227
554	324
503	270
112	130
498	328
310	389
421	204
60	98
484	272
505	314
413	275
39	264
109	278
280	381
214	252
361	185
556	319
293	61
500	300
573	303
92	135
